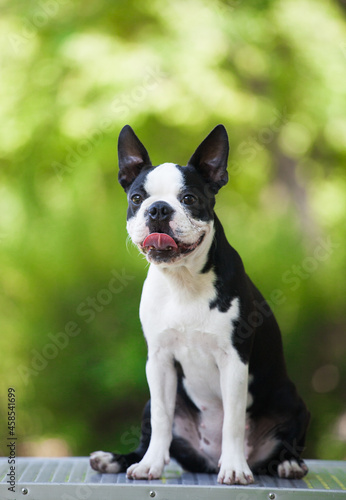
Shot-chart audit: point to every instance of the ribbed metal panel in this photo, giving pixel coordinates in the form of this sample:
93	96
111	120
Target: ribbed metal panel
73	479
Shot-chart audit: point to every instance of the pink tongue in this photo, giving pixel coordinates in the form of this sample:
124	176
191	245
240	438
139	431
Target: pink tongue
160	241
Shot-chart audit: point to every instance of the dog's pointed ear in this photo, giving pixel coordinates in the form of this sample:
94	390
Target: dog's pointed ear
210	158
132	157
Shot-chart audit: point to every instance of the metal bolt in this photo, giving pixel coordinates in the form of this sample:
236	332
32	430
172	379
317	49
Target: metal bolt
272	496
25	491
152	494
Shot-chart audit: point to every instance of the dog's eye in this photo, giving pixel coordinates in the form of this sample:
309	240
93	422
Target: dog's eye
136	199
189	199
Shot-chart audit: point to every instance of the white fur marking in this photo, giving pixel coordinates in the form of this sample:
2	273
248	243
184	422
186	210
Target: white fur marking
166	179
101	461
290	469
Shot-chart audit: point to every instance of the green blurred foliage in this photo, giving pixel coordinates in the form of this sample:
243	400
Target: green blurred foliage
72	74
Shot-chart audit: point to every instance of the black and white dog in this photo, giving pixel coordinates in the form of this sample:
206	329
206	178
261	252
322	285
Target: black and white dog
221	399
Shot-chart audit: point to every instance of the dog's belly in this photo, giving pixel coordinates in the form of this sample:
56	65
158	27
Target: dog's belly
203	434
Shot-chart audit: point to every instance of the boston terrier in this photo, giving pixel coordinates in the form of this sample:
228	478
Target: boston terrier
220	397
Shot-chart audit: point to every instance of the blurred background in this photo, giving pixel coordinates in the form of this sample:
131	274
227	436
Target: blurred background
73	73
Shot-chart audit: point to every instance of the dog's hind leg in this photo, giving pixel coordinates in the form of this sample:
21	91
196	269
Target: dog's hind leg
102	461
290	464
285	463
282	441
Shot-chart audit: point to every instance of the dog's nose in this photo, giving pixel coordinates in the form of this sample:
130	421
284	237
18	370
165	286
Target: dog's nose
160	211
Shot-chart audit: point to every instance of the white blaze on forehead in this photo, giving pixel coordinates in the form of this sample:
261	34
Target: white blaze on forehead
166	179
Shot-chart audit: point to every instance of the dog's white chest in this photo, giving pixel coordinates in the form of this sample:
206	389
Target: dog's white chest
176	317
179	310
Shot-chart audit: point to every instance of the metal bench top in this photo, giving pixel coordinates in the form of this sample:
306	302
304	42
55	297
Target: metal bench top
73	479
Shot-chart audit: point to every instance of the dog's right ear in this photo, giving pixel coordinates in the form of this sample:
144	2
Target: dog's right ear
132	157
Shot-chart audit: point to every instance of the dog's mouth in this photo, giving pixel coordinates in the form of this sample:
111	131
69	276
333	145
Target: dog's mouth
161	246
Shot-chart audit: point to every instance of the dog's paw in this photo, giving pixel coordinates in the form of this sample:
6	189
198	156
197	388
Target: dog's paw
234	472
145	470
291	469
101	461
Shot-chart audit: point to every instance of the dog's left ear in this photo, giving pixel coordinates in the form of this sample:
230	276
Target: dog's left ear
210	158
132	157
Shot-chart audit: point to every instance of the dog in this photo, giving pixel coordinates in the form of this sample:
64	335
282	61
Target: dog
220	397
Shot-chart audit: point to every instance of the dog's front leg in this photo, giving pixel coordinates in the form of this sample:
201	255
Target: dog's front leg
234	385
162	381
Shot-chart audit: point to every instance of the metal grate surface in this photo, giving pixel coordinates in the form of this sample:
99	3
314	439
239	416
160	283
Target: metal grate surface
73	479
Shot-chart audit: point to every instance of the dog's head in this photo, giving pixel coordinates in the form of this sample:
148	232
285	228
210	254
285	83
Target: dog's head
170	213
